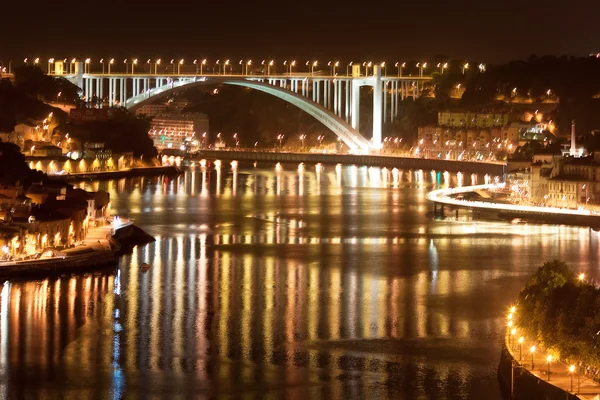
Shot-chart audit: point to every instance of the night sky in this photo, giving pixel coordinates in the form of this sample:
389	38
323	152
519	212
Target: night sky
489	31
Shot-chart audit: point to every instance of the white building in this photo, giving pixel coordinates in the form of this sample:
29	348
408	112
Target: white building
178	131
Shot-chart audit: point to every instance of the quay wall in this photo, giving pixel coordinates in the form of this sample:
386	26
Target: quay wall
370	160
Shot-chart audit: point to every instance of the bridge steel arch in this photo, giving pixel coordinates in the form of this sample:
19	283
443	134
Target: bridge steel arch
350	136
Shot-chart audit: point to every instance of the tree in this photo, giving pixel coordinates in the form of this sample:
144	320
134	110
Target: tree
13	168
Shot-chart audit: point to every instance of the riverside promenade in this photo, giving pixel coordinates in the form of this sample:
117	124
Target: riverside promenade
449	198
560	376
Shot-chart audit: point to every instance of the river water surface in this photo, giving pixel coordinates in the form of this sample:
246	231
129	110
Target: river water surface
291	282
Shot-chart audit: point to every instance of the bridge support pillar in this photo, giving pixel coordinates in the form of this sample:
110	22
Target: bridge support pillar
385	96
377	107
347	101
392	101
319	92
355	104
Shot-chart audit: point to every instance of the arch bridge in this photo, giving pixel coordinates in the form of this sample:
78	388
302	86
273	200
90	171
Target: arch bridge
332	100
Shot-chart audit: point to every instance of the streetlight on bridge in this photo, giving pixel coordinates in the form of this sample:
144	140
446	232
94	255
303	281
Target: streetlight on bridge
50	62
400	67
302	137
203	63
111	62
383	67
133	64
465	67
348	68
269	67
442	67
280	138
248	63
87	66
312	67
126	66
179	66
367	65
156	65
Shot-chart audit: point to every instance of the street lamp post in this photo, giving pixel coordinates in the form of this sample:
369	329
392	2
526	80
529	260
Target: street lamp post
248	63
465	67
133	64
521	348
549	359
348	69
111	62
126	66
320	139
196	65
269	67
302	137
513	332
400	67
383	67
173	64
312	67
203	63
280	138
179	66
571	370
225	65
50	62
156	66
532	350
102	62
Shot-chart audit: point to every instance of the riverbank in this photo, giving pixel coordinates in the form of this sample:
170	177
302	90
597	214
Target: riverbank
125	173
426	164
100	250
524	374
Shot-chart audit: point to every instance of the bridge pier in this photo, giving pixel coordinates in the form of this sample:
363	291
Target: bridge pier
377	107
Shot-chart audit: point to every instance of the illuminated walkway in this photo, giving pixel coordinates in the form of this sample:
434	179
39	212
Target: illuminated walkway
560	376
443	197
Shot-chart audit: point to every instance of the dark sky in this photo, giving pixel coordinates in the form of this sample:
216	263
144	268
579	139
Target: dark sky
482	30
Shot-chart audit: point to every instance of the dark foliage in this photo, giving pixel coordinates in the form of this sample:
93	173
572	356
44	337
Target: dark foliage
122	132
14	169
561	312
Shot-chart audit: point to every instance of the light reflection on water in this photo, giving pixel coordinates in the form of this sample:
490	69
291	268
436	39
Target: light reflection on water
295	282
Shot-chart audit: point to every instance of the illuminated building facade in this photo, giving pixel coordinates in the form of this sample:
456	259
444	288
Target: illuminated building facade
178	131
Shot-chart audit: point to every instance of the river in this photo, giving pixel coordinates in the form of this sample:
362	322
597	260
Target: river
292	282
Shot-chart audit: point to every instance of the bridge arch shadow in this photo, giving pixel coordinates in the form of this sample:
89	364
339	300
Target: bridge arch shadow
354	140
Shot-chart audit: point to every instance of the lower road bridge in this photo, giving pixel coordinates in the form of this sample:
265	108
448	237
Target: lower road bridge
469	167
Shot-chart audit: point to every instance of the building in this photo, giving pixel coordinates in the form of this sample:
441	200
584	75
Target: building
151	110
46	151
178	131
466	119
566	182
